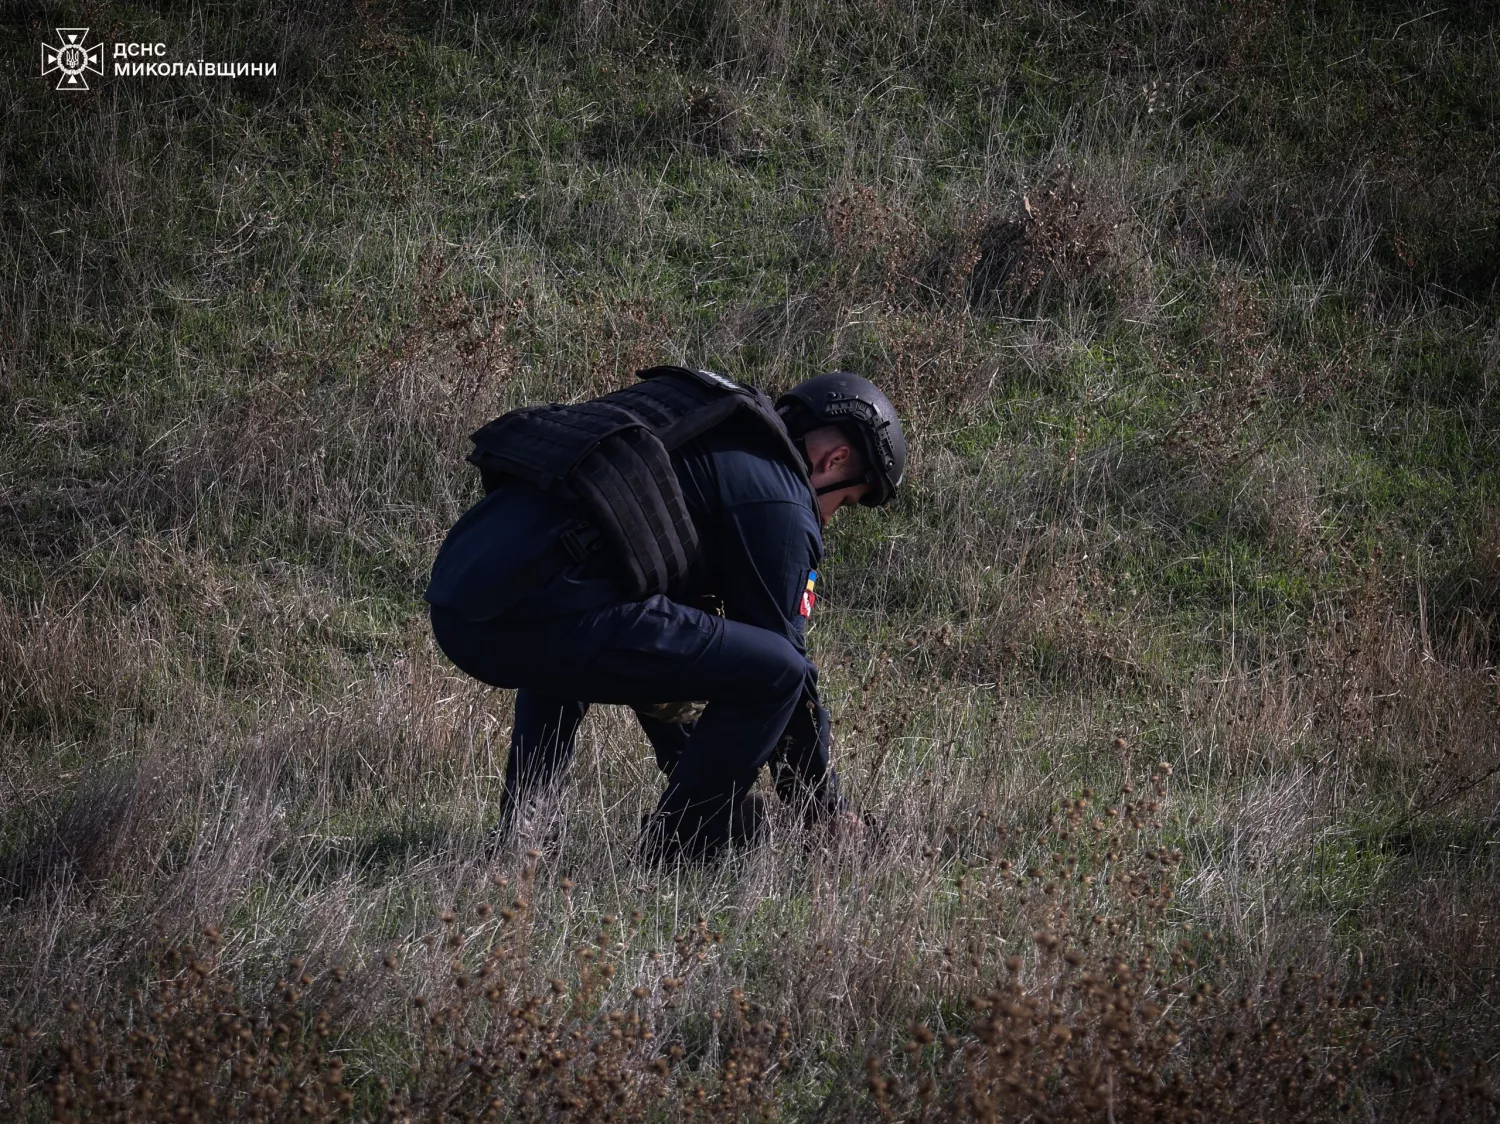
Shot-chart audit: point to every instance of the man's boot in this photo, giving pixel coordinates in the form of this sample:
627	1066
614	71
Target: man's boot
673	833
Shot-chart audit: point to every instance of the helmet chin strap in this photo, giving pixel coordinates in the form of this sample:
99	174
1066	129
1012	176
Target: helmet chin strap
853	481
862	478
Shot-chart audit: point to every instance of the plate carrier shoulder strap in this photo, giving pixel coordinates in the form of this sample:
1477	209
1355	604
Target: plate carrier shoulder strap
611	458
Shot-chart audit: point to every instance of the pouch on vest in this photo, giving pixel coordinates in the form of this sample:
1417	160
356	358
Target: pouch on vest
611	458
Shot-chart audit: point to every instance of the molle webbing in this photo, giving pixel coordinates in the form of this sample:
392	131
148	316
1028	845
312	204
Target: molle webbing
610	456
628	486
544	444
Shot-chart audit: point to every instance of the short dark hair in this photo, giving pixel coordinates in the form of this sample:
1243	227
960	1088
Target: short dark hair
848	436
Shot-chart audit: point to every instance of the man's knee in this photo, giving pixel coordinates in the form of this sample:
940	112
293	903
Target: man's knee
780	670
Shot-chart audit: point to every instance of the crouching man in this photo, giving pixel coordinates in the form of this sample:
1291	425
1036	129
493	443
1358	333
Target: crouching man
658	547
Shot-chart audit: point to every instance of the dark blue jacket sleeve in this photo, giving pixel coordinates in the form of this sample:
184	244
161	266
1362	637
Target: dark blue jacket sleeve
766	551
780	545
800	767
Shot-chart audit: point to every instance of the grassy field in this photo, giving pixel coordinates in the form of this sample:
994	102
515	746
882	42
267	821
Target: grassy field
1171	676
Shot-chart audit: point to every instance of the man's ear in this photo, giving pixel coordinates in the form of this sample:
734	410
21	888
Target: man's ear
838	457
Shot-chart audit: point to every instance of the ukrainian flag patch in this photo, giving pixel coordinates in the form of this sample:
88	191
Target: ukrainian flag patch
809	598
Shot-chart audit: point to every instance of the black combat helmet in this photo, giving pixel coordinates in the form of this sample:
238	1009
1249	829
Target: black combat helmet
858	406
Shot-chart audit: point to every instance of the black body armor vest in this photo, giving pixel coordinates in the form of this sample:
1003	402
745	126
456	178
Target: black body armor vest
610	457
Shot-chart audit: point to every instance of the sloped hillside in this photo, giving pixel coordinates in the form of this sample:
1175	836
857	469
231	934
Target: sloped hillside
1169	680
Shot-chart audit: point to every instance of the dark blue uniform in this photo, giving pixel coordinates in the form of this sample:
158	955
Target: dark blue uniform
573	639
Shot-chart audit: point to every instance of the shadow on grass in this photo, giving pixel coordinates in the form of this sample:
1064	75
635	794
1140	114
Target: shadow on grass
372	852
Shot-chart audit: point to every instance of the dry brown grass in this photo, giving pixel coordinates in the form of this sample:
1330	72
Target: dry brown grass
1060	991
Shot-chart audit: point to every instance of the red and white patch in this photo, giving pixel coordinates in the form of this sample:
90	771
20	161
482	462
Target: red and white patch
808	598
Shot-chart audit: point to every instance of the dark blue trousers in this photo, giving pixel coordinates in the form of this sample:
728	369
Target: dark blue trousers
639	653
